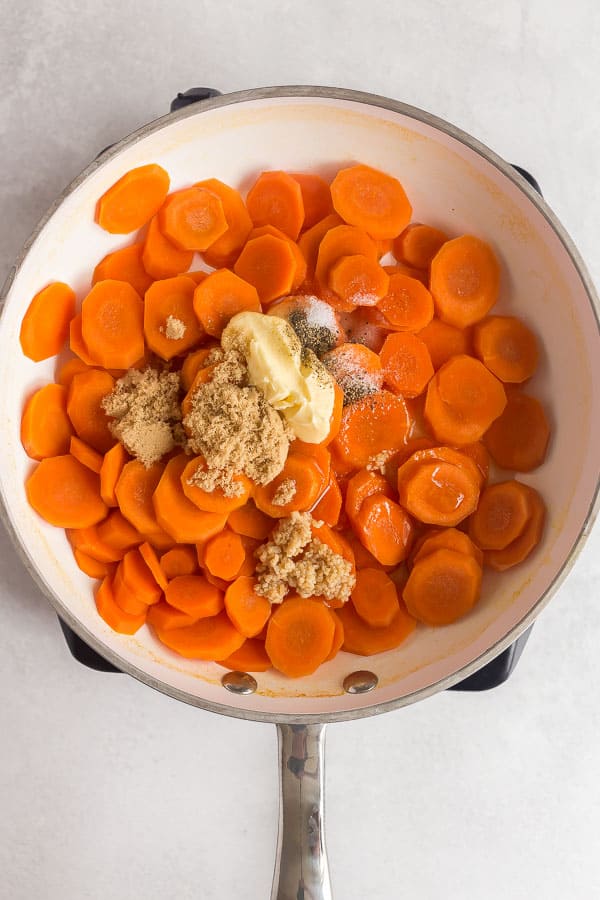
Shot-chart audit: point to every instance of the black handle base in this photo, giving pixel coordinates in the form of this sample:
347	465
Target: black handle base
194	95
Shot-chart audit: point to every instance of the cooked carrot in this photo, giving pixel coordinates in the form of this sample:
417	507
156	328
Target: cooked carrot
507	347
220	297
90	542
362	485
375	423
269	264
45	426
161	258
164	617
160	540
86	455
329	505
363	640
192	218
517	551
275	198
215	501
134	491
300	267
316	198
179	561
366	325
248	611
463	399
224	251
112	324
421	275
133	199
177	515
385	529
76	342
342	240
363	559
408	305
433	455
197	275
406	364
464	280
501	515
149	556
309	482
112	614
192	364
67	371
91	566
168	305
224	555
118	533
203	375
384	246
45	325
442	587
518	438
359	279
418	244
356	370
217	582
65	493
134	584
84	400
444	341
311	239
251	657
250	546
372	200
194	595
212	638
375	598
124	265
250	522
447	539
110	470
338	636
299	636
478	452
438	493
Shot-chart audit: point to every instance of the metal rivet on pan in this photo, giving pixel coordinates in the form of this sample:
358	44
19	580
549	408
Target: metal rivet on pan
360	682
239	682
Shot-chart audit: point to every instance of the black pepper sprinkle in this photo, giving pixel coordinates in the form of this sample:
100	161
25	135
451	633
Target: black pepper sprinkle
317	338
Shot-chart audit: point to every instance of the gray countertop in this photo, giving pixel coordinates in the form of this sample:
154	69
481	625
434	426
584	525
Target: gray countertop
109	790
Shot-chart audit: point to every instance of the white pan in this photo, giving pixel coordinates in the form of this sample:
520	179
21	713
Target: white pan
454	183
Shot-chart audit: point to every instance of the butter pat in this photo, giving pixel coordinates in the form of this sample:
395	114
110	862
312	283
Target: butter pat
293	380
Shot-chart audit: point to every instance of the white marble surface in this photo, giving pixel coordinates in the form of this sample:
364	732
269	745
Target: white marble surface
109	790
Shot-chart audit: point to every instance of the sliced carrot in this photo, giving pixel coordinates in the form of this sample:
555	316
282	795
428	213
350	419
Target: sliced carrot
250	546
170	303
91	566
197	275
507	347
329	505
45	325
421	275
135	586
65	493
316	197
84	406
224	555
418	244
408	305
479	454
177	515
372	200
442	587
164	617
202	376
464	280
366	325
463	399
339	241
90	542
300	262
406	363
359	280
133	199
363	640
518	438
110	470
384	246
160	540
375	598
338	636
447	539
311	239
134	492
501	515
362	485
251	522
309	483
69	369
299	636
220	297
212	638
224	251
444	341
195	596
438	493
248	611
251	657
275	198
149	556
192	218
269	264
112	324
112	614
215	501
335	540
45	426
86	455
363	559
373	424
124	265
76	342
118	533
517	551
385	529
180	560
160	257
192	364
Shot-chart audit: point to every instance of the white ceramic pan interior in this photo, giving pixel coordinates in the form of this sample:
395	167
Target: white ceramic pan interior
453	183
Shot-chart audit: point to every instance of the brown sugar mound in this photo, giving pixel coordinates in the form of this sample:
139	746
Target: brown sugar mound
293	560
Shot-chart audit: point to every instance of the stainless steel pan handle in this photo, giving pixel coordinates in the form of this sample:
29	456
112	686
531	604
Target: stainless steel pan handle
301	868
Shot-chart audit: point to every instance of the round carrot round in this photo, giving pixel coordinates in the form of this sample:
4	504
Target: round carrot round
442	587
299	636
406	363
133	199
372	200
518	438
502	513
506	347
375	597
464	280
65	493
363	640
